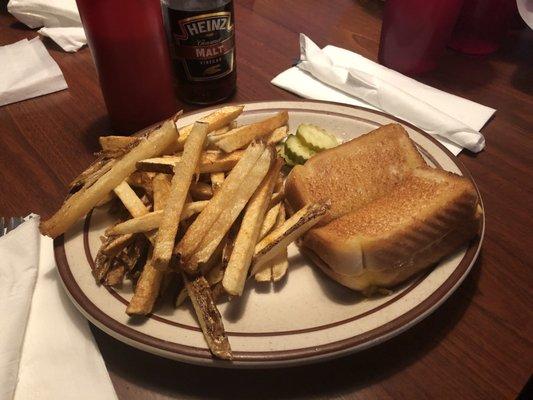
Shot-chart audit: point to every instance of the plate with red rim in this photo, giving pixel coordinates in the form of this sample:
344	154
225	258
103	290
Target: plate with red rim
304	318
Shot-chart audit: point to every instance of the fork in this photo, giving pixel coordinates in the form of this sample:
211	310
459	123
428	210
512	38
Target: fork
7	224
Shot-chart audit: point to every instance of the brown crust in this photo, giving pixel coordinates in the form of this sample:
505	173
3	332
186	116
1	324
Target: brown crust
372	279
353	174
430	215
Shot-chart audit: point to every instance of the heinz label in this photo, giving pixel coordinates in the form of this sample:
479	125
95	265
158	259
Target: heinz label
203	44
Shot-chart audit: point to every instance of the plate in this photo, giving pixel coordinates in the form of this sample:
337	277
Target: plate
303	319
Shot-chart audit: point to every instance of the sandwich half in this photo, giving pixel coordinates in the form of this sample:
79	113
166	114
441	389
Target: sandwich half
355	173
425	217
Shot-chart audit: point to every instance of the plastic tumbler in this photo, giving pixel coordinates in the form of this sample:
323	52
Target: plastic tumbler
414	33
482	26
128	45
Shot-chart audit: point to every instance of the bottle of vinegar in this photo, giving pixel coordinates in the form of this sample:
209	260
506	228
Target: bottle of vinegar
201	34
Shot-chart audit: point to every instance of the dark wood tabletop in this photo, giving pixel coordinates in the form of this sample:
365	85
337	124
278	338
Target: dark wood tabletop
476	346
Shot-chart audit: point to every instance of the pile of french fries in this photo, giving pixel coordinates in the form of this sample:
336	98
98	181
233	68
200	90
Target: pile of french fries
202	211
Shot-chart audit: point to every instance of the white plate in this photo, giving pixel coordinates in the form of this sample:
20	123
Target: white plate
306	317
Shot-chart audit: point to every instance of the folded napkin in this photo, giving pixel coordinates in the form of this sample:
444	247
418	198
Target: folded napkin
59	18
18	272
339	75
27	71
58	356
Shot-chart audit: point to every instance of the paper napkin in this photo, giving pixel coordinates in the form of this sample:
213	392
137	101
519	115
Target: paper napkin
53	344
59	18
27	70
19	252
339	75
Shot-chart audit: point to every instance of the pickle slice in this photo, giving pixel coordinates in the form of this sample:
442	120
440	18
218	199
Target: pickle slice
316	138
283	154
297	150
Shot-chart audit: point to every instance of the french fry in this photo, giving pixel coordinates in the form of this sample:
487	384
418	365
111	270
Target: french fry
90	175
213	276
131	201
226	251
277	135
216	120
276	269
146	290
182	296
219	131
111	144
201	191
209	317
281	237
124	262
223	198
211	161
151	221
115	276
161	190
270	220
143	180
110	247
240	137
280	184
102	264
217	178
252	221
231	211
279	264
214	260
149	283
218	293
181	181
276	198
217	161
82	201
113	245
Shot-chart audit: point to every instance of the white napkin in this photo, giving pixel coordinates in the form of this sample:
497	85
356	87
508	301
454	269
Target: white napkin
336	74
18	272
60	19
27	71
59	357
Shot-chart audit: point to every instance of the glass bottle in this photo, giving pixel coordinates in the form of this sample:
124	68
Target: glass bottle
201	36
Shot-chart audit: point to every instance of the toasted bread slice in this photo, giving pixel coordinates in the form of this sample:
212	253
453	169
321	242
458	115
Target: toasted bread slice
354	173
426	217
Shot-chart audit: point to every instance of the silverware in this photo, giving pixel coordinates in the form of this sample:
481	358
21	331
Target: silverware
7	224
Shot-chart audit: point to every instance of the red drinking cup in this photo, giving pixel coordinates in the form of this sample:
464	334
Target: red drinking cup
482	25
414	33
129	48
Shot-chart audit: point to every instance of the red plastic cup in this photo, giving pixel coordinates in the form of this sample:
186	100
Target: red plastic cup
129	48
482	26
414	33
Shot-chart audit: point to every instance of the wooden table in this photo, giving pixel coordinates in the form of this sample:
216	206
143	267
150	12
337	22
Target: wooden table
477	345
